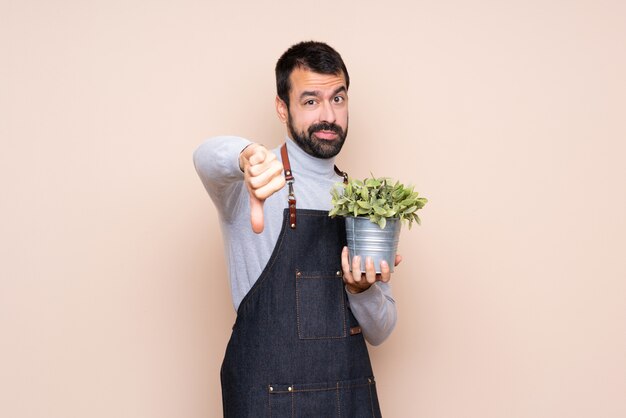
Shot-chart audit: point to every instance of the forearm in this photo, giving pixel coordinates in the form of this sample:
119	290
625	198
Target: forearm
217	163
376	312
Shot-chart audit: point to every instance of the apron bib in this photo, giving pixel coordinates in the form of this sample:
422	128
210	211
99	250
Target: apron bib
296	349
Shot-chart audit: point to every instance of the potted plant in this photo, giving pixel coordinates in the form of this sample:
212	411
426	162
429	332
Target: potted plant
375	209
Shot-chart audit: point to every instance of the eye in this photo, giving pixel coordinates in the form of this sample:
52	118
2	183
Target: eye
310	102
338	99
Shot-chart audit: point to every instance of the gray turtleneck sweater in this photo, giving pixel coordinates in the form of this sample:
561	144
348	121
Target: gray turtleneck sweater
217	163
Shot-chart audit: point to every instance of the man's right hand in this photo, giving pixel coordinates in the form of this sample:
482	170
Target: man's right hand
263	176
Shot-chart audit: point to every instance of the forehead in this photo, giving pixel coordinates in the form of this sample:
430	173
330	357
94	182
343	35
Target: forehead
305	80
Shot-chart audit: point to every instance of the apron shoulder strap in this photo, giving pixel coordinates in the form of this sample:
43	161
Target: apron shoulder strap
289	178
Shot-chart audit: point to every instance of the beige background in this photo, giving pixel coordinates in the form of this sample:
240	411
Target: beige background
508	115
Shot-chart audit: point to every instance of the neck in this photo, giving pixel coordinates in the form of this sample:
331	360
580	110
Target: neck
300	160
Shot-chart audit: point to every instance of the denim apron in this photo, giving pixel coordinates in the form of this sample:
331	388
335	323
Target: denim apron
296	349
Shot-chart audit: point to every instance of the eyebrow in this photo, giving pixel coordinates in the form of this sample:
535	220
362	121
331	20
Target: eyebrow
316	93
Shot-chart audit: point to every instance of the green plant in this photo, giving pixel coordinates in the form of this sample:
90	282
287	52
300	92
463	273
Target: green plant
378	199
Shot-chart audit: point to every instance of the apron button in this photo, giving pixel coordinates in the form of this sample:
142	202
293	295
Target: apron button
338	273
271	389
289	388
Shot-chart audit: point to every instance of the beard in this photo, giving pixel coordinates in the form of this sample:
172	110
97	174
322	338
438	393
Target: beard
319	148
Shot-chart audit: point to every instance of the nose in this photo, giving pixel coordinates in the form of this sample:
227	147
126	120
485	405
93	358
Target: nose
327	113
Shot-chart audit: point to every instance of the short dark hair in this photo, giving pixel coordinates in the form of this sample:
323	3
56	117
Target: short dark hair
310	55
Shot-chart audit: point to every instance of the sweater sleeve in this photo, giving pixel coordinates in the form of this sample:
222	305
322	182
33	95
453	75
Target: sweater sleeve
217	163
375	310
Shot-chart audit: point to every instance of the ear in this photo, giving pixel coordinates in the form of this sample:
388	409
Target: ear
281	110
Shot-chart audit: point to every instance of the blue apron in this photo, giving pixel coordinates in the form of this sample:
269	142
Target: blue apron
296	349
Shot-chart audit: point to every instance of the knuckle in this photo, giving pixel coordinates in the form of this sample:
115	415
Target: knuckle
257	157
252	170
259	193
254	182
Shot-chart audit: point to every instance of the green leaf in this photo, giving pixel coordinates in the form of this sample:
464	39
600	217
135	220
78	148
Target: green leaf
372	183
379	211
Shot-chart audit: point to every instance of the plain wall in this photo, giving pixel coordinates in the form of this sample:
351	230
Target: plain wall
508	115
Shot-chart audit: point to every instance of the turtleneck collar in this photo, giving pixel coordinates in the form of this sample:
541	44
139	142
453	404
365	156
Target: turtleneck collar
303	162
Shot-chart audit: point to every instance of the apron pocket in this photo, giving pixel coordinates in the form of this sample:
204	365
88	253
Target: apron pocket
320	304
346	399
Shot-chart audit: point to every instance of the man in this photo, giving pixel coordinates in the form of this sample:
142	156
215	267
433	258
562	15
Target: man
297	347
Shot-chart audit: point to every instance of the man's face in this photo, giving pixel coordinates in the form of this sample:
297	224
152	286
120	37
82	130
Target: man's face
317	117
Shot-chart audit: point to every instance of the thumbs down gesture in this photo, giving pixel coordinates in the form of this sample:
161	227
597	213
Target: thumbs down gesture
263	177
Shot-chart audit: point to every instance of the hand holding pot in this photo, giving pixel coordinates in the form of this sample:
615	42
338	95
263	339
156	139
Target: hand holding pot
357	281
263	177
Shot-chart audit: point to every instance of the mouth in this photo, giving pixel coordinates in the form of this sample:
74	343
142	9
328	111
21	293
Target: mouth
327	135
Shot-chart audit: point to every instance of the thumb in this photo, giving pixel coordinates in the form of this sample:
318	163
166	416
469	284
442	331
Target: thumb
256	214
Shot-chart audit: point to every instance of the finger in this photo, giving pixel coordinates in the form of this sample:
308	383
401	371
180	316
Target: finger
269	189
263	177
249	150
345	266
370	270
256	214
247	153
398	260
257	168
356	268
258	155
385	274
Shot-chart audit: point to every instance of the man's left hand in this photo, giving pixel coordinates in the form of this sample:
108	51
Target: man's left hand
357	282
